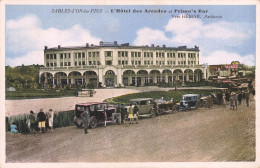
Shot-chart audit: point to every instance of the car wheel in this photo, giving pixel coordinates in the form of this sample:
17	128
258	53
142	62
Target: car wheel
93	122
159	111
152	113
79	125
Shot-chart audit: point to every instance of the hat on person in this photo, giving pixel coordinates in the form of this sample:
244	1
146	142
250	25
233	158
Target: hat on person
31	112
50	109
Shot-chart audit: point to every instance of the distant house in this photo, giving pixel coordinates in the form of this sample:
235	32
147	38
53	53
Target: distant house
11	89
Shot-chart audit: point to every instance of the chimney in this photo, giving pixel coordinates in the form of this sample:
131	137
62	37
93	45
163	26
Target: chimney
163	46
115	43
45	47
87	45
152	45
101	43
58	46
92	45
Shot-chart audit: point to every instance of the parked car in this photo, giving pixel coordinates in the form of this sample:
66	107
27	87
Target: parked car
145	105
97	116
189	101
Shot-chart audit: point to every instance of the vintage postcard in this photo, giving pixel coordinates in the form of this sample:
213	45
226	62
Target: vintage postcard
129	84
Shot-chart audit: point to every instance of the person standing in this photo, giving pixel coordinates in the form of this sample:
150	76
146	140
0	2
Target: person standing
247	98
123	113
224	99
32	122
41	117
219	96
239	97
235	100
131	113
227	95
136	113
231	101
85	117
50	115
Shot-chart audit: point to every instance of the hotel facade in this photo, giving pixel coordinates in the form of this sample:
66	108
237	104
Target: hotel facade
121	65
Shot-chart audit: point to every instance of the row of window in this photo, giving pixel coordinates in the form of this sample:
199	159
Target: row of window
90	63
51	56
159	54
135	54
191	55
64	56
181	55
121	63
120	54
79	55
93	54
148	54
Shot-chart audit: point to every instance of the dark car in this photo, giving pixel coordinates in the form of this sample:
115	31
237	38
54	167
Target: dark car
189	101
97	116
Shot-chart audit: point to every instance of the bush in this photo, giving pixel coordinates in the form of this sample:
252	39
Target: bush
175	95
38	93
61	119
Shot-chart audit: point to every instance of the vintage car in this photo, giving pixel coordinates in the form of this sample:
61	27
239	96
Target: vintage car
189	101
97	116
145	106
164	106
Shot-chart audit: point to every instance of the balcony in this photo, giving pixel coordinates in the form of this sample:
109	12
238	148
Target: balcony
121	66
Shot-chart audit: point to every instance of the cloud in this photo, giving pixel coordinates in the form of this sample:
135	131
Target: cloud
216	58
150	36
210	37
34	57
26	34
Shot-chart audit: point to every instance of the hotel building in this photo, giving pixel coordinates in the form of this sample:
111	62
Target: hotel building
113	64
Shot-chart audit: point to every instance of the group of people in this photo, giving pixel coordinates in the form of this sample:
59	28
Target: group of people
236	98
233	98
43	120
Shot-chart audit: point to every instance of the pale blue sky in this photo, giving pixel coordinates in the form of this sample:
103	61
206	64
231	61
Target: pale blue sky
28	28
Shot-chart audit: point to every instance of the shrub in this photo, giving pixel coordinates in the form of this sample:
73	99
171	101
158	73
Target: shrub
175	95
61	119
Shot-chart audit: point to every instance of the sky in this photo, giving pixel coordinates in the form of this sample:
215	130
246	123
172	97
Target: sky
229	36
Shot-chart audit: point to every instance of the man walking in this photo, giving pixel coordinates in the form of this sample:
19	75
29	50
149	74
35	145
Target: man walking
85	117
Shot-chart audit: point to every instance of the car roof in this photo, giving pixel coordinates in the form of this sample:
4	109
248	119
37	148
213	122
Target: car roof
140	99
90	103
189	95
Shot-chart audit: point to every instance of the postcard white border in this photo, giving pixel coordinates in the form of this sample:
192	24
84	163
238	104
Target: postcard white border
122	164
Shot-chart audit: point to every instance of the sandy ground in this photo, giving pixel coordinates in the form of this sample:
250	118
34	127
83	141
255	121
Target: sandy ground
216	134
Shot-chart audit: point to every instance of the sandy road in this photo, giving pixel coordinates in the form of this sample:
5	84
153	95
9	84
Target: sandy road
216	134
